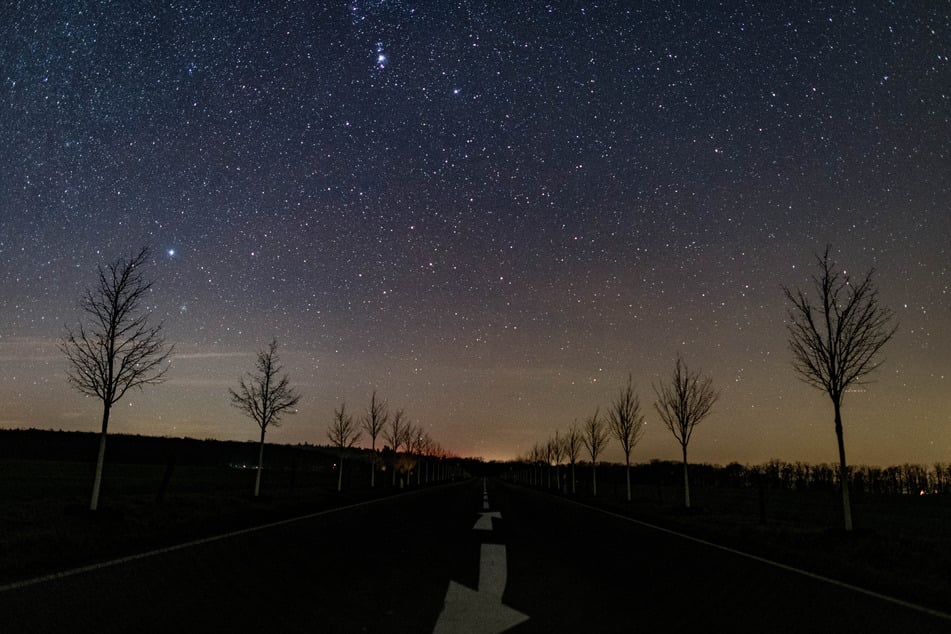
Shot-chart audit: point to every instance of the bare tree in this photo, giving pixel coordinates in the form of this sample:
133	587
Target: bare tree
395	435
573	443
373	424
548	455
682	403
343	434
595	439
426	447
117	349
558	455
410	460
531	459
836	342
627	425
265	396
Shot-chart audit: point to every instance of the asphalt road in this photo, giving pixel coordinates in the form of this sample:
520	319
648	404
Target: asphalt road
387	567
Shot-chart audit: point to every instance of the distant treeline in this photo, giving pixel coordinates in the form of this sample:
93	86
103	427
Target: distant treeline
899	479
906	479
77	446
39	444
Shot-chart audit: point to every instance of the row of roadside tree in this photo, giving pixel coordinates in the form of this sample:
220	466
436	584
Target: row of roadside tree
836	330
682	402
115	347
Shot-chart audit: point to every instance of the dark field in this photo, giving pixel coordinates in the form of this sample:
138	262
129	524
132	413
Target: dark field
44	524
899	546
154	495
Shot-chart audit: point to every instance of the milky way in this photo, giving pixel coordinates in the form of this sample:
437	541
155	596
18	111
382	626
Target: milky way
491	213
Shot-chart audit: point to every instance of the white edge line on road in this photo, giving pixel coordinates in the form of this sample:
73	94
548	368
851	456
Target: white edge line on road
775	564
17	585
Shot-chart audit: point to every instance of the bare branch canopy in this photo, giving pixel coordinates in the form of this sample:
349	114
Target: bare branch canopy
836	336
117	349
264	395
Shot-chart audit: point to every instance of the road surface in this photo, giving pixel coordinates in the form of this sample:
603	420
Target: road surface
467	557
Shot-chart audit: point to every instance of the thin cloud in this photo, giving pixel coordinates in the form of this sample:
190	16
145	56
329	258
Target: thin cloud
210	355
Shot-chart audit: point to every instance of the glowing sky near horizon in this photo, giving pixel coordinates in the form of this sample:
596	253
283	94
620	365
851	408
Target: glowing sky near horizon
491	213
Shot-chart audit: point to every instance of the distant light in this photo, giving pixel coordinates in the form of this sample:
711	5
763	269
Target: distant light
171	253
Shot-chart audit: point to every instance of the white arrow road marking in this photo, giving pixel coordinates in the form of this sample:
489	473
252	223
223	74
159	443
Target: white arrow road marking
480	611
469	612
492	570
484	523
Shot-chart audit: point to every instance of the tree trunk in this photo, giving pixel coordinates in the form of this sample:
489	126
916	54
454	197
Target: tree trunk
257	478
573	490
843	468
686	479
340	475
627	475
373	462
97	479
594	479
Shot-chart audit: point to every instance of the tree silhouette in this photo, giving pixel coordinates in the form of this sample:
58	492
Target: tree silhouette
573	443
117	349
595	439
682	403
627	425
548	455
410	461
414	437
343	434
395	435
836	342
265	396
558	455
374	421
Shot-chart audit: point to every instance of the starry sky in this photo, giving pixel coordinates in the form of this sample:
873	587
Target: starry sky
490	212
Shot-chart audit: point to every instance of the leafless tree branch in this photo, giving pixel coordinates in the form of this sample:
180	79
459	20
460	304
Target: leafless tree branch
116	349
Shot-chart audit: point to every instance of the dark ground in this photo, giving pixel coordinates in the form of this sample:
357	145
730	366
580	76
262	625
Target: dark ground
385	567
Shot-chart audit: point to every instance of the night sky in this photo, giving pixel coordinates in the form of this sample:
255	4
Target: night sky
490	212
